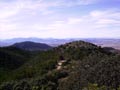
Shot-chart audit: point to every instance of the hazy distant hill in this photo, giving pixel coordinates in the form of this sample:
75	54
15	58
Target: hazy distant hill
49	41
2	44
114	43
32	46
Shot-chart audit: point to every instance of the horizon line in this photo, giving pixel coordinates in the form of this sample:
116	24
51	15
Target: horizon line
62	38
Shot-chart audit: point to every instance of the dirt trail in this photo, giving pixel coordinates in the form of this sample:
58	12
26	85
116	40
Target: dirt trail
60	63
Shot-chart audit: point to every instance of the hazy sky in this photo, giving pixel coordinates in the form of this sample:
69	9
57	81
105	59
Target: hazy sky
60	18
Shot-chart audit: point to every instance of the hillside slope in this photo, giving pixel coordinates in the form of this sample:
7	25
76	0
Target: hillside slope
76	65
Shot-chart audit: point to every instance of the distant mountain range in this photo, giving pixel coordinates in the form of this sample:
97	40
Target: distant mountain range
49	41
115	43
31	46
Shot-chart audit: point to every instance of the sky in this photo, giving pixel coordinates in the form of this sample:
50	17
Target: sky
59	18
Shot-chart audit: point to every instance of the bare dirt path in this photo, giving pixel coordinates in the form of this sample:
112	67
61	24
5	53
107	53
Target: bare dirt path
60	63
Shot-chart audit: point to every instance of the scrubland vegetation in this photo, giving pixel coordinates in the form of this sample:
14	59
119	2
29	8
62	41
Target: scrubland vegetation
87	67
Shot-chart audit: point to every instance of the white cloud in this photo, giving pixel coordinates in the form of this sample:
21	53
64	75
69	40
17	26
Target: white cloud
8	10
96	24
7	27
27	18
74	20
70	3
12	8
106	17
108	21
15	7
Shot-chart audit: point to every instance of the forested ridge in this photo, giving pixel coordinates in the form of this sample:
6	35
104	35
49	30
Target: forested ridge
76	65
